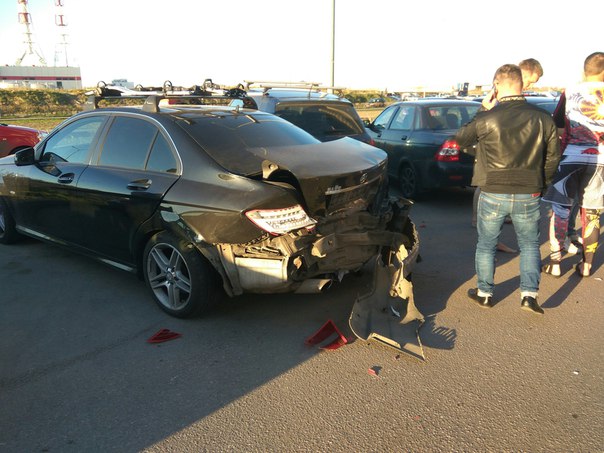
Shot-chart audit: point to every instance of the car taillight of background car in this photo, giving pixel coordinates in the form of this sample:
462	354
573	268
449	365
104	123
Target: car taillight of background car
448	152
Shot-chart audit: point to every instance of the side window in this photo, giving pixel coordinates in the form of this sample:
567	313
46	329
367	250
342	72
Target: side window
467	113
161	158
73	142
437	118
403	119
434	118
128	143
381	122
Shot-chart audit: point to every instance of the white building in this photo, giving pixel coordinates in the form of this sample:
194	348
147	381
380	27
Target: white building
57	77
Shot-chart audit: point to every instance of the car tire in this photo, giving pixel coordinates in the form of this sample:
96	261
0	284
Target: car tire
408	181
8	232
182	282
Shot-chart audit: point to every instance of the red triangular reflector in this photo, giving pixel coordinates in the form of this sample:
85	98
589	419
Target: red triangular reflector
327	330
163	335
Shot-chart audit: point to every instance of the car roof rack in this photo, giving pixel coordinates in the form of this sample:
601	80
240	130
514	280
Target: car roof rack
153	95
310	86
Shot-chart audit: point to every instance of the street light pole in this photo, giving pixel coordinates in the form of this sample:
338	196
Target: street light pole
333	40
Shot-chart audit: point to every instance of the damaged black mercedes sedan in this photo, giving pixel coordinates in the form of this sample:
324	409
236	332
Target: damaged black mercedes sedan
196	198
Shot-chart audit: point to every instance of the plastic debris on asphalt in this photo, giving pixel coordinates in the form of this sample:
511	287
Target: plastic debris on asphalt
374	370
163	335
326	331
387	314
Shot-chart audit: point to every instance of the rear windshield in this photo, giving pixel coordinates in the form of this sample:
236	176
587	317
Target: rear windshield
227	138
325	120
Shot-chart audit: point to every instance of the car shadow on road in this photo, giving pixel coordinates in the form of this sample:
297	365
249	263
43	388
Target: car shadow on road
83	348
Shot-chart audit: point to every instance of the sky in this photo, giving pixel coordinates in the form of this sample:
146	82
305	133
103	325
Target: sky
385	45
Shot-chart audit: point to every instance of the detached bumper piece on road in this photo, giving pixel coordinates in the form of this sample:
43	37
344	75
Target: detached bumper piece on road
387	313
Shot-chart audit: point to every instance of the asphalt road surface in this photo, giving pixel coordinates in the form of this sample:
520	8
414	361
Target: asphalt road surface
77	374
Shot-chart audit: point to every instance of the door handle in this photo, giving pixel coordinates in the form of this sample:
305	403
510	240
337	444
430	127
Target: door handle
141	184
66	178
404	137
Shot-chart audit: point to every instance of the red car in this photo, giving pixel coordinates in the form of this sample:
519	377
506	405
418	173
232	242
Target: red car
13	138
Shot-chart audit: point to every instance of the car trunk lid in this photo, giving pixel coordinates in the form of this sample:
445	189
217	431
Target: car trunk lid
331	175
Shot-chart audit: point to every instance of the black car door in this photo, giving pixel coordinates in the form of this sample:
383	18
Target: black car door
45	192
123	188
396	131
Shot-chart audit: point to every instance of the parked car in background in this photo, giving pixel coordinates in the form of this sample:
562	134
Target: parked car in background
416	135
14	138
547	103
326	116
195	198
376	102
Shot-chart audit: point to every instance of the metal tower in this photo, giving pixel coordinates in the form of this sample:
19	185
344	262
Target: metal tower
25	20
61	45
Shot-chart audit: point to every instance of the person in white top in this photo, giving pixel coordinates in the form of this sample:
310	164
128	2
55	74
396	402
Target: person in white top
580	174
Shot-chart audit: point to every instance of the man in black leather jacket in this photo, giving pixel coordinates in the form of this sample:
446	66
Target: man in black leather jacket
517	154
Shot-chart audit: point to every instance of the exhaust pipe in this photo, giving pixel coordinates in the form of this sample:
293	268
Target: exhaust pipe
314	285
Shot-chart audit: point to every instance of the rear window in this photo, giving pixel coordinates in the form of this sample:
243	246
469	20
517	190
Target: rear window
227	138
324	121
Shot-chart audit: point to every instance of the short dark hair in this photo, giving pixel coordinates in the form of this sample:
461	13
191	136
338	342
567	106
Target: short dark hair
594	64
531	65
509	72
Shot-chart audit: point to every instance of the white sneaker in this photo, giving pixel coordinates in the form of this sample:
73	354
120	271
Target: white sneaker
574	245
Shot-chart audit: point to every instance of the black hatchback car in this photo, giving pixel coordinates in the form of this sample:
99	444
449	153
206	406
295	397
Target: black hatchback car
194	198
416	135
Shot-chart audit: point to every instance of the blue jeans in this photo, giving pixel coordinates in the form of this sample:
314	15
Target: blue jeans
525	213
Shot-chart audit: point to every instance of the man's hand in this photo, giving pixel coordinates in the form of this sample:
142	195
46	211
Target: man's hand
490	100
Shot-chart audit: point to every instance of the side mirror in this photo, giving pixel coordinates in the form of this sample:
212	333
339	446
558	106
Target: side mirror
24	157
372	127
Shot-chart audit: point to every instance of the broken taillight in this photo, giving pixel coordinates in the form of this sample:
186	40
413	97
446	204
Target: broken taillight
281	221
448	152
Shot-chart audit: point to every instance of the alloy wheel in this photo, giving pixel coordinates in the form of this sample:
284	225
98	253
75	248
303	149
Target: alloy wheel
168	276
